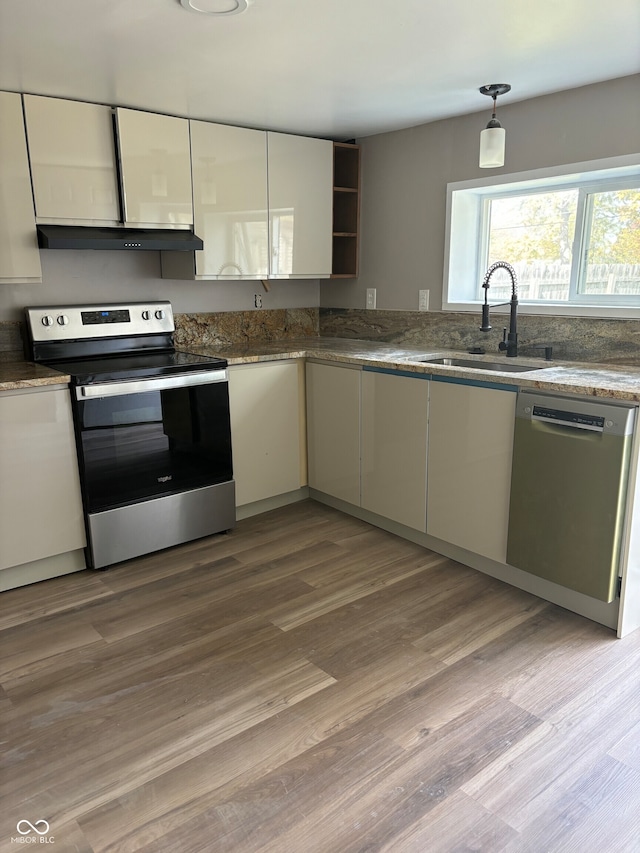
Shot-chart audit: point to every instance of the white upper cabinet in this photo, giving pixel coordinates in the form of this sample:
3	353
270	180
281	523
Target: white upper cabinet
229	166
263	205
300	205
262	202
19	254
155	164
73	163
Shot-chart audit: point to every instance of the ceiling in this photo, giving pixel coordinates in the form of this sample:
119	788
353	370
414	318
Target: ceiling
332	68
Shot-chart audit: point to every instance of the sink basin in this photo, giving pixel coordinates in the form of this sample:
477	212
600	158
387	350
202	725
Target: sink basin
502	366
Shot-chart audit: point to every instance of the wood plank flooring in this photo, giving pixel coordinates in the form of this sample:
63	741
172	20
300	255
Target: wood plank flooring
311	684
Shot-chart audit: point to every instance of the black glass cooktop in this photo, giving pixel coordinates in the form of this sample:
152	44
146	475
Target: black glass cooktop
114	368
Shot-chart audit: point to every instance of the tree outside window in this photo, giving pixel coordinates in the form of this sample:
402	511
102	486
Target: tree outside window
566	245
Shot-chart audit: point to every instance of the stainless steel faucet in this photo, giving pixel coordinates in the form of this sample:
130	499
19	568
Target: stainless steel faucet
509	341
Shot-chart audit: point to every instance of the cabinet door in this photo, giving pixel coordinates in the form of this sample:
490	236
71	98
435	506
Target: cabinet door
73	161
40	503
300	205
230	200
394	446
155	163
470	447
19	253
265	404
333	430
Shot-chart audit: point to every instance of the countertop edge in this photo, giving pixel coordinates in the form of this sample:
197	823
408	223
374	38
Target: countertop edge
21	375
586	379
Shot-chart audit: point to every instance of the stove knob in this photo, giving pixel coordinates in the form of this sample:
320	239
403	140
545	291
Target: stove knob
159	314
146	315
63	320
47	320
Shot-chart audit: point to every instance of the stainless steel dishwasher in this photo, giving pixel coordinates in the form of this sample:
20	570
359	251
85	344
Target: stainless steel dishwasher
568	488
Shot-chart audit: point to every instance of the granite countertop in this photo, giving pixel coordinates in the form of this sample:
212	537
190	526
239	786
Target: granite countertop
619	382
15	375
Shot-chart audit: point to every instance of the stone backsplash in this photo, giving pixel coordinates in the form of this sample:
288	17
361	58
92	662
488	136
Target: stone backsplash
214	329
11	348
236	327
572	338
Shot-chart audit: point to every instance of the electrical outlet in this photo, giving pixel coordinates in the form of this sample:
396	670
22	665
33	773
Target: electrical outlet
371	297
257	300
423	300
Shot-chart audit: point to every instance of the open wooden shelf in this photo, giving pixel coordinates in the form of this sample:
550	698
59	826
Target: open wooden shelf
346	209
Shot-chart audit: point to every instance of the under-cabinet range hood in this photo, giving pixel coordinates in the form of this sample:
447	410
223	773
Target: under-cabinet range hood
131	239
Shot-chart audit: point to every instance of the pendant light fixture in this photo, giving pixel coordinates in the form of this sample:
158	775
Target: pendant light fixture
493	136
217	8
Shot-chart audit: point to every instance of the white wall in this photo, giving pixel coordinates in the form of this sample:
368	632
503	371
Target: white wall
405	176
85	276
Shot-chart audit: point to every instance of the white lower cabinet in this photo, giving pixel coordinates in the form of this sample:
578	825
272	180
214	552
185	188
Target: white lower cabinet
333	430
267	429
40	501
469	465
394	446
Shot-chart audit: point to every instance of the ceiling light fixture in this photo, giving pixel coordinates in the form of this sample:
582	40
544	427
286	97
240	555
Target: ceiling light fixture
493	136
218	8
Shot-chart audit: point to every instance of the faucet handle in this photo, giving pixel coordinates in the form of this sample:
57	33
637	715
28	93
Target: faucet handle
548	351
503	343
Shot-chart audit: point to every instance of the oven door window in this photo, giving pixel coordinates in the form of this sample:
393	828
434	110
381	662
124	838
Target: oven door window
146	445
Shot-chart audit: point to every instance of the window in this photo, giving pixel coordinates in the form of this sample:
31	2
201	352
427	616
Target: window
573	240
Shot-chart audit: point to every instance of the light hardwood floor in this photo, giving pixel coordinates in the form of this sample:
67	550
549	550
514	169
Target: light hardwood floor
309	683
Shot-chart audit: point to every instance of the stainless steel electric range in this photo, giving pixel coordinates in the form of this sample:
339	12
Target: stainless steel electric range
152	426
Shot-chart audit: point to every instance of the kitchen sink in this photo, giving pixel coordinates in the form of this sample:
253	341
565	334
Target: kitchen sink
503	366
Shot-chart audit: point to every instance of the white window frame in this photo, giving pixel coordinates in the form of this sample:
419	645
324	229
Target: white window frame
466	235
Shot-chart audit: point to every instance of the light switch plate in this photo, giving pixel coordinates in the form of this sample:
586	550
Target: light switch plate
423	300
371	297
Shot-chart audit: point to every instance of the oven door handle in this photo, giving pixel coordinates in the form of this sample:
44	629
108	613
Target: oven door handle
139	386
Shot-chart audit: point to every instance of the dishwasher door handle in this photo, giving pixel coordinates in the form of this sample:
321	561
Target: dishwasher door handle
575	420
587	427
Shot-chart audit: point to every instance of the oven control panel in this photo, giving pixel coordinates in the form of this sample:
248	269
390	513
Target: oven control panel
83	322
